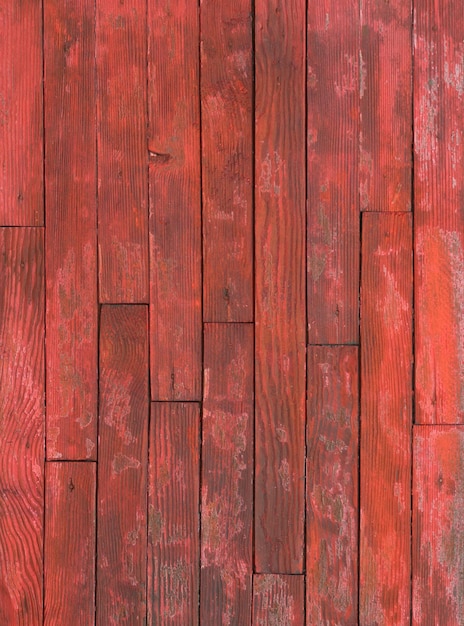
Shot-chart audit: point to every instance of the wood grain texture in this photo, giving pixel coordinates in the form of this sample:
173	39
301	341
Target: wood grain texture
121	54
173	514
122	466
386	419
332	486
439	219
333	155
21	114
280	285
227	159
70	235
227	475
22	378
69	567
278	600
175	201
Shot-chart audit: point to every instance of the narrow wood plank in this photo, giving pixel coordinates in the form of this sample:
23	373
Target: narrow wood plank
332	486
122	150
438	525
71	235
21	114
227	475
22	418
386	419
278	600
333	155
173	515
69	563
122	466
227	159
175	200
439	219
280	285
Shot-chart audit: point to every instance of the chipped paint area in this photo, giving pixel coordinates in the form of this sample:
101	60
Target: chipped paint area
118	403
273	601
272	175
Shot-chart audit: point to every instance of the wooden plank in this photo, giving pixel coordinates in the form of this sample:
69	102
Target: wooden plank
227	475
439	219
438	525
175	201
121	53
332	486
22	378
69	564
333	151
122	466
71	235
386	419
173	514
21	114
278	600
280	285
227	159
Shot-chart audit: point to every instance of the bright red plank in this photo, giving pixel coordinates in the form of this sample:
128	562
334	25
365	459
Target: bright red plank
280	285
278	600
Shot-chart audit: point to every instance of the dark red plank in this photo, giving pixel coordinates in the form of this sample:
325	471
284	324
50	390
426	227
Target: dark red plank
227	475
227	159
173	515
122	466
22	425
71	237
332	486
175	200
69	576
278	600
280	285
333	151
386	419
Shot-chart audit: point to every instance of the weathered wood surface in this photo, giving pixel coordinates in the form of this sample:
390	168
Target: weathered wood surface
278	600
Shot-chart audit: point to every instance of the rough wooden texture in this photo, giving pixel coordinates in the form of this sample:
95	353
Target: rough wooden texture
439	219
173	515
332	486
175	200
278	600
438	526
122	150
227	159
69	568
122	466
227	475
21	425
386	419
71	237
280	285
333	199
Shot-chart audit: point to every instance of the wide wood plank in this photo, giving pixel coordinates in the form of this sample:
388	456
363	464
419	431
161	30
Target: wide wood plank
227	475
280	285
278	600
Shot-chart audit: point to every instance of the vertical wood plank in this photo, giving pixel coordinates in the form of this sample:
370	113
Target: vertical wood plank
386	419
173	515
280	285
175	200
278	600
332	486
122	466
71	236
227	475
227	159
21	425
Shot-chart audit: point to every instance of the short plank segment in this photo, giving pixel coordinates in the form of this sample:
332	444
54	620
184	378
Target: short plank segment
22	378
333	155
175	200
71	238
278	600
173	515
332	486
227	475
122	466
122	150
280	285
227	159
386	419
69	567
